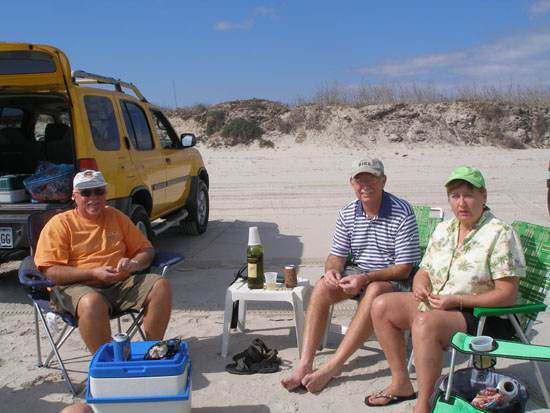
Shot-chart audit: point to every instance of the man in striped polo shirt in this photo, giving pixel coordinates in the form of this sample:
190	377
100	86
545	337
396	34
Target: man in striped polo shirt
374	250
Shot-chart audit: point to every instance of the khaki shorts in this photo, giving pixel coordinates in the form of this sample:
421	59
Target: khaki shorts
122	296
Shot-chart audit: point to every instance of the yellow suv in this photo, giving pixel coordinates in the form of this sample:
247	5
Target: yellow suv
52	116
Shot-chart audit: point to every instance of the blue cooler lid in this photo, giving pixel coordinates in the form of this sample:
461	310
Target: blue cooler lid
104	366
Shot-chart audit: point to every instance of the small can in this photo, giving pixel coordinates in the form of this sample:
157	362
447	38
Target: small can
121	347
290	276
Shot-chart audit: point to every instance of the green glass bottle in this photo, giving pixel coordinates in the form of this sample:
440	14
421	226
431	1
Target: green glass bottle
255	260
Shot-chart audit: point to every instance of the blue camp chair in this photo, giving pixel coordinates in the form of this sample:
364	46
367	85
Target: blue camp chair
39	289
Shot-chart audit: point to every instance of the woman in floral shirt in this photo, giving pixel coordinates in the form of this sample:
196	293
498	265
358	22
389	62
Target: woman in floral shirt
473	260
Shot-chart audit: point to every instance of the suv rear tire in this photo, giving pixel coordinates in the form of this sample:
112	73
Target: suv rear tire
197	221
139	217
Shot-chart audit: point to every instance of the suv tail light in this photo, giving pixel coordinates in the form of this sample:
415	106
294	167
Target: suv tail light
87	163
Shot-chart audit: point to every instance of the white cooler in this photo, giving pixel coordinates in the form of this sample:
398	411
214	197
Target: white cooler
139	385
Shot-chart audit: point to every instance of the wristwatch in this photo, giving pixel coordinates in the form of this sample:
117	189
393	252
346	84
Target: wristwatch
136	262
366	274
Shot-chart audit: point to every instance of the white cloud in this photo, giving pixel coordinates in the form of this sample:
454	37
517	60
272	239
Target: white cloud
540	7
523	57
223	26
266	12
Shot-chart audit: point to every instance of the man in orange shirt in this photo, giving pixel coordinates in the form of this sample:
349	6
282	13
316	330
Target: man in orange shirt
94	253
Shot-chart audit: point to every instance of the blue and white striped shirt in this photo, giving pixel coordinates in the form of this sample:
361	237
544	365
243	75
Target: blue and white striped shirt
390	238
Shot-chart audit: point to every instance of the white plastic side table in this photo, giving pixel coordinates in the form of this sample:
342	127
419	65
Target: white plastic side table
240	291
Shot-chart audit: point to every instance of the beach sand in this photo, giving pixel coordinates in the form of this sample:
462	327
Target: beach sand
293	194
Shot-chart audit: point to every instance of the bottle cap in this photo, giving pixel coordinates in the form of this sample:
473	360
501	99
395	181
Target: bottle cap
253	236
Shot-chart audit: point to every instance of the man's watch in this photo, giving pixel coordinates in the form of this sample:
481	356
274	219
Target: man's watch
366	274
136	262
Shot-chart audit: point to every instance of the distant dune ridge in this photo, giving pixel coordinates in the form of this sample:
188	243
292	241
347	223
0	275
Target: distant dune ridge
459	122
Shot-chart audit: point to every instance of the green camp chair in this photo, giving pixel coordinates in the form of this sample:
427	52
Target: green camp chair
427	219
426	224
447	402
535	240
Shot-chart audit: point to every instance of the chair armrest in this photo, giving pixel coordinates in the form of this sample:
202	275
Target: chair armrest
515	309
164	258
31	277
506	349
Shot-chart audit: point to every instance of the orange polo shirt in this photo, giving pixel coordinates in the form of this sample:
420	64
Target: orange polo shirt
69	239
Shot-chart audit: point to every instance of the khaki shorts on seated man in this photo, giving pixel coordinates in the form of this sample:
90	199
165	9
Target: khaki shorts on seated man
94	253
380	231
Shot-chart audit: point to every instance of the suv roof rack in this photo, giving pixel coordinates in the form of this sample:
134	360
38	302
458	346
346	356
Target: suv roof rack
90	78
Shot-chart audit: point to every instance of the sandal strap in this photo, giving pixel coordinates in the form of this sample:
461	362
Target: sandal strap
259	343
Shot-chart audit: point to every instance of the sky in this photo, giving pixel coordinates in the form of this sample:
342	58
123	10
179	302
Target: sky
210	51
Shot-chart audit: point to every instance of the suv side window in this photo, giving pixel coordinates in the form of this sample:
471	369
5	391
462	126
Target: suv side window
101	118
166	134
137	126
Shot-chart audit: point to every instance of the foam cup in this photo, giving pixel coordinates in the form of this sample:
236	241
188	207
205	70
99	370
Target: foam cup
482	343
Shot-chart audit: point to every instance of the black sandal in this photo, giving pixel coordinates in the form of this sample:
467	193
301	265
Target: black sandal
257	358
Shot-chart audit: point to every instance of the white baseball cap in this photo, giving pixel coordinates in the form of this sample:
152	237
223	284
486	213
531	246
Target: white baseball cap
88	179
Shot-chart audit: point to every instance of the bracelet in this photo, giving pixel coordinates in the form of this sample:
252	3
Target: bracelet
137	264
461	302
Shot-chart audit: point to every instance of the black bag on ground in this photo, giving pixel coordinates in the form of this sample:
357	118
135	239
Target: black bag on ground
468	382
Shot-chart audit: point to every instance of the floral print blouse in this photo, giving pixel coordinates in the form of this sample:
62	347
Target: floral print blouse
491	250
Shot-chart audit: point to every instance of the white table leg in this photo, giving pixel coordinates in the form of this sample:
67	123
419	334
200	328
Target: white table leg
298	304
242	315
227	321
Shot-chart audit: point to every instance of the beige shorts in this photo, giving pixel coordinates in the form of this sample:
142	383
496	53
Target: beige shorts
122	296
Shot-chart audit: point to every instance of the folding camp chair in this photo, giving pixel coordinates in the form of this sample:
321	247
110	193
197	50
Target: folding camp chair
39	289
535	240
448	402
427	219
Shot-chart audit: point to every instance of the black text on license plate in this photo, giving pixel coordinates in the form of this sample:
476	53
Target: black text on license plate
6	238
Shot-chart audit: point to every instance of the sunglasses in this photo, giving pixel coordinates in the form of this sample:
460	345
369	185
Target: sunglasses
86	193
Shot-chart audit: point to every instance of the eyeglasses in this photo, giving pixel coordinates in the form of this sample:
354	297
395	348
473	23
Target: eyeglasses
86	193
369	181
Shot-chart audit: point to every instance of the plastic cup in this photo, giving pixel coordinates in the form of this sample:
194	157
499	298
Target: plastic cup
482	343
270	280
254	236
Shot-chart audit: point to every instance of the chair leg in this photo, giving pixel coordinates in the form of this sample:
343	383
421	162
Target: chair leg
63	336
327	329
136	325
534	363
37	334
54	349
451	373
408	336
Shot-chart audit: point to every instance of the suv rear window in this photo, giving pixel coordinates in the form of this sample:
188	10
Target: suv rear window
11	118
25	62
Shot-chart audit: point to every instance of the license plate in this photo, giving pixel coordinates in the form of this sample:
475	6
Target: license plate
6	238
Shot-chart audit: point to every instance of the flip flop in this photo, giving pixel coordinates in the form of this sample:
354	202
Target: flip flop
393	399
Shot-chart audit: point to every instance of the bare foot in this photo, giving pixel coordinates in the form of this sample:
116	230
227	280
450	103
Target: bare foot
384	397
295	381
315	382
